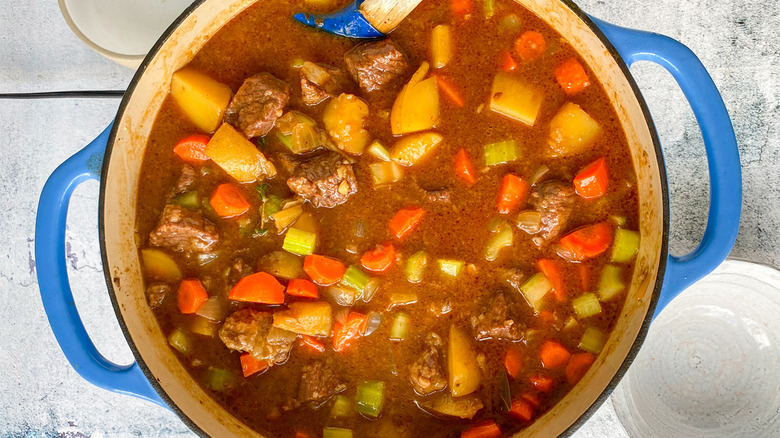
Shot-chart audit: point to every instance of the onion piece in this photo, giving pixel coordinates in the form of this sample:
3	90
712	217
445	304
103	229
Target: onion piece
341	295
373	319
213	309
530	221
370	290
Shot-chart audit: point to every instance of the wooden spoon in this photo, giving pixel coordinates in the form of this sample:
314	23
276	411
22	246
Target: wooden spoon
362	18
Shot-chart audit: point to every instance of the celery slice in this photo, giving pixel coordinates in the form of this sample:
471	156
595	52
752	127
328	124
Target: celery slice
451	267
187	200
378	151
625	246
586	305
336	432
400	327
370	398
501	153
299	242
611	283
286	139
219	379
355	279
592	340
342	407
415	266
535	288
179	341
488	9
501	238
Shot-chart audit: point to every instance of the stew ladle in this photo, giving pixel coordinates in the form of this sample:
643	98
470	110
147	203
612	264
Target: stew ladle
362	18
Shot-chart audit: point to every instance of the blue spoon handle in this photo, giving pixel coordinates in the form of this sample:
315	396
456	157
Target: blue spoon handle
348	22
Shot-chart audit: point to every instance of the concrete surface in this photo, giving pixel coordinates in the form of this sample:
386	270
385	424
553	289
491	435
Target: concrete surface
41	395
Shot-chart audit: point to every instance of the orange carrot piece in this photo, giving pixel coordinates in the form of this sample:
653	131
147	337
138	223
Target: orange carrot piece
587	242
553	271
313	343
464	168
508	62
258	288
323	270
450	90
591	182
303	434
578	366
302	288
522	410
228	200
379	259
585	272
532	398
514	191
191	295
546	318
553	355
483	429
461	8
571	76
542	383
513	362
531	45
250	365
405	221
344	334
192	149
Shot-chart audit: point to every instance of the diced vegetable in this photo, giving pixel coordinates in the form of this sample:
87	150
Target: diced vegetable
373	319
187	200
285	139
578	366
417	106
463	167
571	76
342	296
591	182
441	46
586	305
250	365
415	266
522	410
625	246
501	153
483	429
529	221
287	216
260	287
501	238
488	9
307	138
302	288
311	318
379	259
405	221
554	272
463	370
412	148
592	340
342	407
299	242
385	172
378	151
323	270
218	379
515	98
228	200
461	8
353	328
345	120
571	324
444	403
191	295
531	45
355	279
514	192
620	221
553	354
513	362
313	344
450	90
336	432
159	266
400	327
213	309
586	242
370	398
192	149
370	290
510	24
611	283
572	131
535	289
542	383
289	120
282	264
179	341
507	62
237	156
451	267
202	99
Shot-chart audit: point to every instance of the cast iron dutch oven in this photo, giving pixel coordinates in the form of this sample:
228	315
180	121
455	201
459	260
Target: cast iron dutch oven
115	159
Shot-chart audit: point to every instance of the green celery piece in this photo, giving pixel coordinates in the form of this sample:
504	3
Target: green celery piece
501	153
219	379
336	432
285	139
187	200
179	341
501	238
625	246
299	242
400	327
488	8
355	279
370	398
611	283
592	340
415	266
586	305
342	407
451	267
535	288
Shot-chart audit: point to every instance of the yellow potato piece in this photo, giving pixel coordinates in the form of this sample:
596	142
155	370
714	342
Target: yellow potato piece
463	369
159	266
515	98
417	106
572	131
238	156
203	99
409	150
441	46
345	119
305	318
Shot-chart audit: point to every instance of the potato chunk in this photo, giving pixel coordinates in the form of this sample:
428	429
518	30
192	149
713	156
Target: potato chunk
516	99
305	318
238	156
417	106
345	120
202	99
463	369
572	131
409	150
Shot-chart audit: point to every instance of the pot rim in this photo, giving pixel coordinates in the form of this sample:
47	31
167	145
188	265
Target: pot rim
640	337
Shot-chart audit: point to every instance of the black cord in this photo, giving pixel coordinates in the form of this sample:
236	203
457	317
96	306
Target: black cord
98	94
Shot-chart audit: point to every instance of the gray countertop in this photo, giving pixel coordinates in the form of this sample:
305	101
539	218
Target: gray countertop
41	395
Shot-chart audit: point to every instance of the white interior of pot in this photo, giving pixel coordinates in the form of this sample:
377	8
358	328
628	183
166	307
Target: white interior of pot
121	190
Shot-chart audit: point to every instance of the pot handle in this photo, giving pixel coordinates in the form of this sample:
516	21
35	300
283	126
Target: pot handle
53	278
719	142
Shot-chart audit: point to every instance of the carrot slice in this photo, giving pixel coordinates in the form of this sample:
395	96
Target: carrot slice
302	288
303	434
571	76
532	398
513	362
553	355
591	182
508	62
542	383
191	295
483	429
192	149
522	410
461	8
323	270
578	366
380	259
228	200
344	334
587	242
553	271
313	343
514	191
258	288
405	221
464	168
250	365
531	45
450	90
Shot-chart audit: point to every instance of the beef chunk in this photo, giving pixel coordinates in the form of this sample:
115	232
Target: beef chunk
319	381
181	229
252	331
156	293
427	372
239	270
494	322
185	181
555	201
375	64
325	181
258	103
320	82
